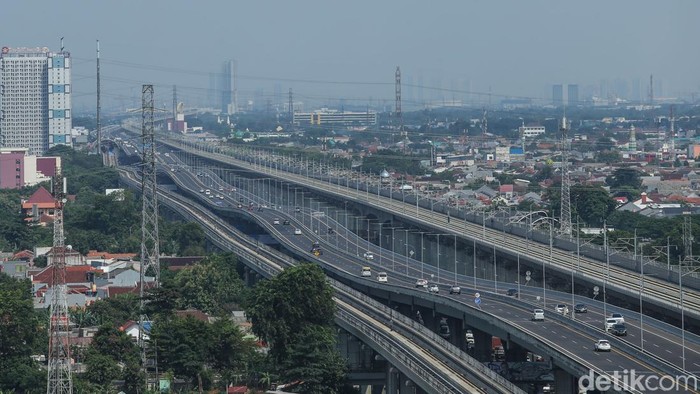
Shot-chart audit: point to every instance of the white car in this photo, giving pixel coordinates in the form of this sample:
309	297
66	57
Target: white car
366	272
434	288
276	221
382	277
538	314
297	231
561	308
602	345
368	256
422	283
618	318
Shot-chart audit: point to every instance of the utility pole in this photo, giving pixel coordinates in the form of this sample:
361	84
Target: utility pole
99	129
565	218
149	213
59	366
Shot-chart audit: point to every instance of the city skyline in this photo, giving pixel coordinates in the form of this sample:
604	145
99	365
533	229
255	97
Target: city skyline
329	53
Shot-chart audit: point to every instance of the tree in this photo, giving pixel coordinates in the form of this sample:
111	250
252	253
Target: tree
115	310
314	360
624	177
281	307
212	286
19	335
101	369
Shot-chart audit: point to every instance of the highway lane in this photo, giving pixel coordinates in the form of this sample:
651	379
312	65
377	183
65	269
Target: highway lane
425	362
656	290
656	340
577	344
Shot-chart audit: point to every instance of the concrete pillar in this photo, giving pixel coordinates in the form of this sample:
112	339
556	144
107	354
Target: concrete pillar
565	382
392	380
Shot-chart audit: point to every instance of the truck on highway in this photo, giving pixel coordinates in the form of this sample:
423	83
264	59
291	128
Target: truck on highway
497	351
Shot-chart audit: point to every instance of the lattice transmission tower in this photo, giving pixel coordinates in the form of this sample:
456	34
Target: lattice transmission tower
565	218
59	373
149	213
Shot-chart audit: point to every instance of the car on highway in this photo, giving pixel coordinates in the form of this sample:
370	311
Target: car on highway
537	315
512	292
602	345
422	283
580	308
286	222
276	221
619	329
366	272
260	209
368	256
297	209
444	330
618	317
297	231
561	308
240	199
201	190
382	277
434	288
454	289
609	323
240	206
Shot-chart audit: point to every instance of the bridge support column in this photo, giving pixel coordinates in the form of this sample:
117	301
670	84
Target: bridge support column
393	381
565	383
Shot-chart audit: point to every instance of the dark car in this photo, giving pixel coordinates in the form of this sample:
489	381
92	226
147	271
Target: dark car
240	199
580	308
512	292
260	209
297	209
286	222
619	330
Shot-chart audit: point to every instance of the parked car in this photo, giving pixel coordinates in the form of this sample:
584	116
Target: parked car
512	292
454	289
434	288
619	330
382	277
366	272
602	345
580	308
537	314
422	283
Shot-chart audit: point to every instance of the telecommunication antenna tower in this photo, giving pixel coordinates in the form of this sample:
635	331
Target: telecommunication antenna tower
484	127
59	367
688	257
397	110
565	219
99	128
149	213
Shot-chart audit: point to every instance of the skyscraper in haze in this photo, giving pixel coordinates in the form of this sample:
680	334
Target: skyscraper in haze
35	98
226	87
572	95
558	95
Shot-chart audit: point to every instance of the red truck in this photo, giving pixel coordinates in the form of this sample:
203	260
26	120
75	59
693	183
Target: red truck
497	350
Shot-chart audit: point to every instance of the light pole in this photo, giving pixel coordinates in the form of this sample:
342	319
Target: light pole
680	291
607	274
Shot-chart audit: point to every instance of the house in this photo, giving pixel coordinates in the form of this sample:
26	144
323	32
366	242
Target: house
506	191
15	269
486	191
23	255
72	257
132	329
39	208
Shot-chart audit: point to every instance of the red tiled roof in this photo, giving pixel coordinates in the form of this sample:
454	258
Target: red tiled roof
92	254
74	274
195	313
23	254
41	195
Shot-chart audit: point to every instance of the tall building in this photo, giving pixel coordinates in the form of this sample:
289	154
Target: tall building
572	95
35	99
558	95
228	88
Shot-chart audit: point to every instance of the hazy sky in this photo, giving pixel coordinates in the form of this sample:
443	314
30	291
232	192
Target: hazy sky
513	47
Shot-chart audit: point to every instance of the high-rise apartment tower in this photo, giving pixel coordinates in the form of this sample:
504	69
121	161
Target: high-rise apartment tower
35	98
